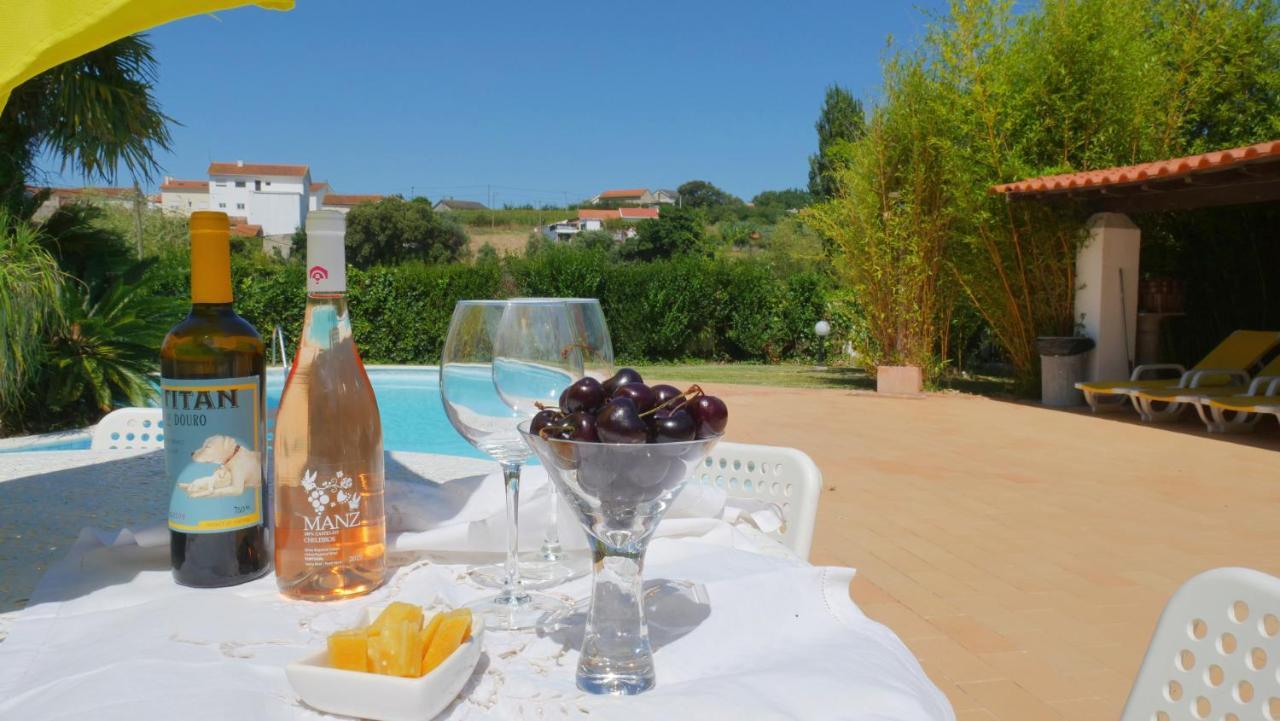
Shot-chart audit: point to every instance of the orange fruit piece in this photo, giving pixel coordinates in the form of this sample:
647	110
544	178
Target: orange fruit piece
348	650
454	630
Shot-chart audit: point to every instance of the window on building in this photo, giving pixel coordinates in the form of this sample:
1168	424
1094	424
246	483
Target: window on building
239	206
222	205
268	182
257	185
239	183
220	185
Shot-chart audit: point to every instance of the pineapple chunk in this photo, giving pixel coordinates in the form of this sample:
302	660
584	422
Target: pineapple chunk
394	651
428	633
453	631
396	612
348	650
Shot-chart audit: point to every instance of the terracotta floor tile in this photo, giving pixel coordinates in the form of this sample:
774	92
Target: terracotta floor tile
1024	554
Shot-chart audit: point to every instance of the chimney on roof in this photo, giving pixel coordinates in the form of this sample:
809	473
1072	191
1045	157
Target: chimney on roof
239	163
168	179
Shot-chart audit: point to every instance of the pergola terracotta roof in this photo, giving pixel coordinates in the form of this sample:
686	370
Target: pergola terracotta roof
1249	174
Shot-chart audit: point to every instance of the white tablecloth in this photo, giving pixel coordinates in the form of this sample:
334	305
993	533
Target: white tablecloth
108	635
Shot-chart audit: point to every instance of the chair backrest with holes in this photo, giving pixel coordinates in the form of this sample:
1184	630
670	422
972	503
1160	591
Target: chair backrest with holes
784	476
1215	652
129	428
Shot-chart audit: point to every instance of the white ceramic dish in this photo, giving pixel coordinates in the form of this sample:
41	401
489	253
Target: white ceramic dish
385	698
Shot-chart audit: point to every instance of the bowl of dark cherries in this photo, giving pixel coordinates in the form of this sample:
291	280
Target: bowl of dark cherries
623	409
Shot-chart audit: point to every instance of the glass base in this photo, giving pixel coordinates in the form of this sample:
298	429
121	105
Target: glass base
616	684
536	573
521	612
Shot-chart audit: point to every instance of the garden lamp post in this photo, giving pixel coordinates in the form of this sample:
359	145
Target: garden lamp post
823	329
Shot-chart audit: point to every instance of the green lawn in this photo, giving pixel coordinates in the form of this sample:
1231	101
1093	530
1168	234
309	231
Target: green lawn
796	375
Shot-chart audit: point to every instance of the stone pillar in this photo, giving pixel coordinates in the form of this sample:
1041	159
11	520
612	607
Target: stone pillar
1112	247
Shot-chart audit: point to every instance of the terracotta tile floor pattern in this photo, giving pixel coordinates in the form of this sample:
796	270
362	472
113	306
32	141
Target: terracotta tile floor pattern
1023	554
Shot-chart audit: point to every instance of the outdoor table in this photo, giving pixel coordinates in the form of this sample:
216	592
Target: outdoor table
741	629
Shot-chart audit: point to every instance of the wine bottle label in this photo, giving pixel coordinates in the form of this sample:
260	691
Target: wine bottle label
212	453
334	504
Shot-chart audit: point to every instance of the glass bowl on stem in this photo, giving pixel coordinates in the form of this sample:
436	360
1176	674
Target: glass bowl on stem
619	492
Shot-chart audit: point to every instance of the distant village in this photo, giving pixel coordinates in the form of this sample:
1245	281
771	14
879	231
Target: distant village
271	201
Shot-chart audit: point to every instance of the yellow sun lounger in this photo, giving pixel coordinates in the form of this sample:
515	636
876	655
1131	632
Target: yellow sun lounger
1204	388
1225	364
1232	414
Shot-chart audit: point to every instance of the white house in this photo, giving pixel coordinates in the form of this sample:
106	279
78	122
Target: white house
566	229
275	197
344	203
628	196
448	204
318	193
666	197
184	197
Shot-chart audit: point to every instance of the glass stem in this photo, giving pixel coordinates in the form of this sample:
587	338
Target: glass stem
550	550
512	587
616	655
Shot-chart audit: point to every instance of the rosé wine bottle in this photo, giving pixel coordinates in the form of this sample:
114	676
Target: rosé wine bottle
330	527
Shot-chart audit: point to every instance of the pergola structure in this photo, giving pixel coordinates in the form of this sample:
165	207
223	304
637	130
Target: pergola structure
1106	302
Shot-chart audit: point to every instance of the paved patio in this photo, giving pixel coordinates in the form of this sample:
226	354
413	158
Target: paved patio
1024	554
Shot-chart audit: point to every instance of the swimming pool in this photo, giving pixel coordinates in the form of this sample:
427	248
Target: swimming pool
413	417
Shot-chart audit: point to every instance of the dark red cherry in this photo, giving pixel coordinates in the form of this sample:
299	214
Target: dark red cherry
583	427
622	377
543	419
639	393
585	394
620	422
710	415
663	393
671	427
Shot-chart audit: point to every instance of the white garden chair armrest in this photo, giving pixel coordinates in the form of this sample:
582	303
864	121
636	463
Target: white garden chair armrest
1263	385
1274	388
1139	371
1234	377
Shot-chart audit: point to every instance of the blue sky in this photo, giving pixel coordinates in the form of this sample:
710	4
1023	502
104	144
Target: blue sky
543	101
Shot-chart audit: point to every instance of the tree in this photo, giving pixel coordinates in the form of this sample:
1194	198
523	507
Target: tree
94	114
678	231
30	282
701	194
791	198
842	120
393	230
601	240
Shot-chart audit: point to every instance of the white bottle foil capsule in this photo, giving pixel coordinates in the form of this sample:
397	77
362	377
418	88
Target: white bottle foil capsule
326	251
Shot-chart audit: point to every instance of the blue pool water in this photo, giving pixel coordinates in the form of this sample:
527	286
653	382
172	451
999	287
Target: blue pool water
413	417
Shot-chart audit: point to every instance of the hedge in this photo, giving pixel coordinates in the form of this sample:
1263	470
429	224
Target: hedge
679	309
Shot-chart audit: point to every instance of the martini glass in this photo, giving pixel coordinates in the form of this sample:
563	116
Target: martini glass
619	492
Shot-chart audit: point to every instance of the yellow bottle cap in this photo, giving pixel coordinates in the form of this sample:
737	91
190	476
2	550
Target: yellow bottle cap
210	257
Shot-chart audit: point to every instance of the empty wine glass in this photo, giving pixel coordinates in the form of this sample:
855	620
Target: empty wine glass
485	419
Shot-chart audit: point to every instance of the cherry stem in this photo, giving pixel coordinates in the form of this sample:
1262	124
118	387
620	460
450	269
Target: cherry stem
694	391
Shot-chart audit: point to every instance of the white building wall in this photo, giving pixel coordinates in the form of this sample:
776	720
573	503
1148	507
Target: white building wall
277	203
184	202
1107	312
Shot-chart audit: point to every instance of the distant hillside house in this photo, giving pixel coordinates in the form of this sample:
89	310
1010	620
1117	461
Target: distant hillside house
184	197
275	197
566	229
315	198
58	197
448	204
631	214
663	196
344	203
631	196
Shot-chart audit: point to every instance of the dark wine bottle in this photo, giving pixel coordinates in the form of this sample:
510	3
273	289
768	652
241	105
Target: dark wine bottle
212	384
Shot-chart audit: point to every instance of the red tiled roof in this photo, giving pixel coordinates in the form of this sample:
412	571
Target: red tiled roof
122	193
331	199
1131	174
247	230
315	187
628	193
638	213
289	171
587	214
174	184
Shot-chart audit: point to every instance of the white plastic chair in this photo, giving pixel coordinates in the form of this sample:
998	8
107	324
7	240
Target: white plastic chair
129	429
784	476
1215	652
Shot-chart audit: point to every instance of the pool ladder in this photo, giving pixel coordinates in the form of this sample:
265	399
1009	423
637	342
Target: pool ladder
277	344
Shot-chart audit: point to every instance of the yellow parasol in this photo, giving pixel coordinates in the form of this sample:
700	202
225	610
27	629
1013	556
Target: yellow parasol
36	35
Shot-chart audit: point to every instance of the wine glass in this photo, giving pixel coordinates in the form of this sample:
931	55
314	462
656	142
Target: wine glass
591	337
485	419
